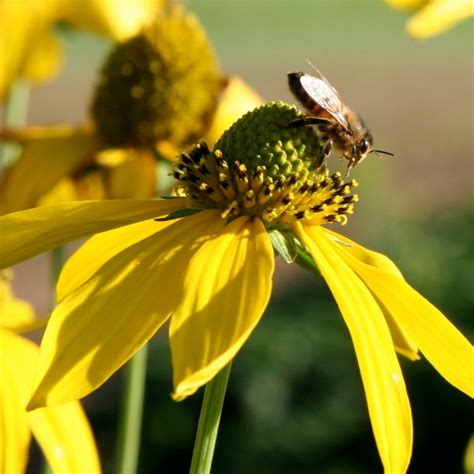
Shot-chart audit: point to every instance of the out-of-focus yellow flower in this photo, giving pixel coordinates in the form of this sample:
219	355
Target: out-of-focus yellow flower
117	19
207	268
157	92
63	163
29	47
63	433
434	16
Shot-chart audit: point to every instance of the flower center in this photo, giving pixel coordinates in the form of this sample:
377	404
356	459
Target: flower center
162	84
211	181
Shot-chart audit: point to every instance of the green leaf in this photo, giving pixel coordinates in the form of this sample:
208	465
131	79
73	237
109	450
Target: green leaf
178	214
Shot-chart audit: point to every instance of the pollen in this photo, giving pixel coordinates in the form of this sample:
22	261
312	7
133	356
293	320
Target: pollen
277	175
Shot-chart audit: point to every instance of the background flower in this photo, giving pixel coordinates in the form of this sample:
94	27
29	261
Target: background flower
29	46
156	93
63	433
434	16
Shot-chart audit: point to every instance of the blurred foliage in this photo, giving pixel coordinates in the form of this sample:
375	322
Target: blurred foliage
295	401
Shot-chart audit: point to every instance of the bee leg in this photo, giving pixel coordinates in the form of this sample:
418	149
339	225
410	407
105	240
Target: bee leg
326	151
350	165
305	121
327	148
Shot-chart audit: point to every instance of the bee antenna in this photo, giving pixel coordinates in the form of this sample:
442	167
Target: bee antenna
315	68
383	152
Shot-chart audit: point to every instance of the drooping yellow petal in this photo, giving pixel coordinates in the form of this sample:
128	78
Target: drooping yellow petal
118	19
438	16
98	327
65	438
21	24
406	4
441	343
385	390
236	99
45	57
375	259
25	234
226	289
98	250
64	191
130	176
63	433
48	154
14	430
403	344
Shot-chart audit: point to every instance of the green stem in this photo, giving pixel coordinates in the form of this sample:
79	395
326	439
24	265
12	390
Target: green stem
16	106
15	112
130	422
305	260
209	422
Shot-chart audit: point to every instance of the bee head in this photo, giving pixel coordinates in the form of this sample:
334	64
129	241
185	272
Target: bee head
361	149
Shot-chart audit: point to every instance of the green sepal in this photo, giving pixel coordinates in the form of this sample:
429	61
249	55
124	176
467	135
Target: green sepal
283	244
178	214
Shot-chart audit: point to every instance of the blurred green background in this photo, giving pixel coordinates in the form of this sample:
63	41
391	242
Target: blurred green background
295	401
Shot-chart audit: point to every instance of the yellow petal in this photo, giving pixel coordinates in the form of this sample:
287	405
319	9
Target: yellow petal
226	289
27	233
406	4
118	19
237	99
98	327
403	344
21	24
14	430
65	438
133	177
98	250
441	343
375	259
44	57
63	191
438	16
48	154
63	433
385	390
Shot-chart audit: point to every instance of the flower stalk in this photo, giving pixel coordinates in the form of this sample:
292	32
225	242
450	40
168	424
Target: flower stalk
131	413
209	422
16	108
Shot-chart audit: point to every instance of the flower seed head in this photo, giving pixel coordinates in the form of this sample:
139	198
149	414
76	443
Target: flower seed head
260	167
261	138
162	84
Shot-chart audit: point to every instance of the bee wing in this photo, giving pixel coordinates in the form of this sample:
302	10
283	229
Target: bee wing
326	97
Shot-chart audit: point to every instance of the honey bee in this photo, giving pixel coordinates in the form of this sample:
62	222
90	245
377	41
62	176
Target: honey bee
339	127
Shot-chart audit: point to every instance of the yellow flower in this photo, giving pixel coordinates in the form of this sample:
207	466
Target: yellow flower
63	433
151	99
207	268
434	16
116	19
28	46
